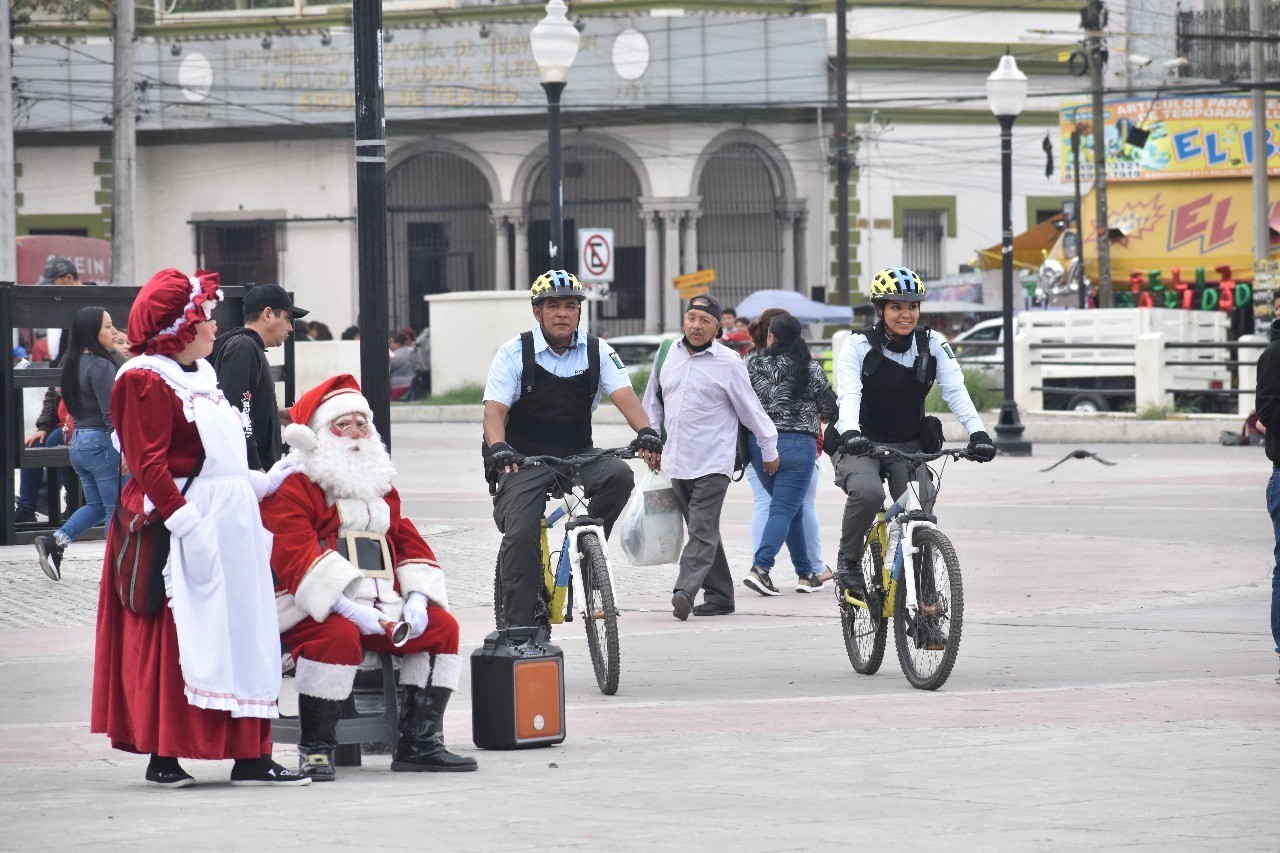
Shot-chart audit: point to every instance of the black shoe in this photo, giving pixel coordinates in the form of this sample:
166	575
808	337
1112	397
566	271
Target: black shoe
852	588
758	579
706	609
263	771
50	555
169	777
928	635
318	737
317	764
24	516
681	604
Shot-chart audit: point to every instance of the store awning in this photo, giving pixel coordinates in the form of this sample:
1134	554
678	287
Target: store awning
1030	248
1178	224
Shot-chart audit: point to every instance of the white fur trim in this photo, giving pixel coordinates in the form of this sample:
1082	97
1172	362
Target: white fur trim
415	669
421	576
300	436
324	680
337	406
288	611
366	516
329	577
184	520
446	671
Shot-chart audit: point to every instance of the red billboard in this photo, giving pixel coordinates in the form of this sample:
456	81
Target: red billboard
92	257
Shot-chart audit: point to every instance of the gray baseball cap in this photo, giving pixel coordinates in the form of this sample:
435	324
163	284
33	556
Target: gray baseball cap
57	267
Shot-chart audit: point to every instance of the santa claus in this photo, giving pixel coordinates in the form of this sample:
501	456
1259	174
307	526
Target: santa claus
347	564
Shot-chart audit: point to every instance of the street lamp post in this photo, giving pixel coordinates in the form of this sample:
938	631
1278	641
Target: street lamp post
1006	95
555	46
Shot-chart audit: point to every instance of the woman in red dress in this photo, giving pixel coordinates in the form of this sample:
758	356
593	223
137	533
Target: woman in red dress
181	683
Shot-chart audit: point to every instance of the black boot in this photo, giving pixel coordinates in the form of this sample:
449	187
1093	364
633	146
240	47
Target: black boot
422	733
849	582
318	722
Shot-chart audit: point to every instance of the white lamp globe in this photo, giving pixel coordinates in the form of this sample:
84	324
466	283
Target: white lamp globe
555	43
1007	88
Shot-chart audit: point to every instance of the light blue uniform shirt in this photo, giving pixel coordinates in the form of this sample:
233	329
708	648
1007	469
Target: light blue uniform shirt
503	384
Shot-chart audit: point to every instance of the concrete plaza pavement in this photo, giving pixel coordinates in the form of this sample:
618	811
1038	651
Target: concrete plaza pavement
1115	688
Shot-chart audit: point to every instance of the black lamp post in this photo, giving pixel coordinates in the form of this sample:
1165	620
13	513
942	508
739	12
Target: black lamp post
555	46
1006	95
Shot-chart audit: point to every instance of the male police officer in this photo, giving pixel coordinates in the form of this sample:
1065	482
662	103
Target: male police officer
543	386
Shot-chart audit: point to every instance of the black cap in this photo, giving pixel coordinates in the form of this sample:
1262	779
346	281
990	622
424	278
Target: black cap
270	296
57	267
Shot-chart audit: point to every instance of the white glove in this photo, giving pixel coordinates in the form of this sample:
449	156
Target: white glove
368	619
415	613
265	484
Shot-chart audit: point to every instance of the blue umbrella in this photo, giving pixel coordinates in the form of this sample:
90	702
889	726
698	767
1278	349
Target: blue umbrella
797	305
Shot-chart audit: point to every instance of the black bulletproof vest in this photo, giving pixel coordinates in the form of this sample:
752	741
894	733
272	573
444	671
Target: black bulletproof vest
553	414
893	394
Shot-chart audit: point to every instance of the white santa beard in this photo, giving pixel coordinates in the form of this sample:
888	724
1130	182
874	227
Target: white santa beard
357	468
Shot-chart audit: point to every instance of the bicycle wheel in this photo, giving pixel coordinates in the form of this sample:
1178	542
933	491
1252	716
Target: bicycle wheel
601	614
928	630
865	628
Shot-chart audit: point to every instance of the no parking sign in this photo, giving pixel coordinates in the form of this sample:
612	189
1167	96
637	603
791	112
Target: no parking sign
595	254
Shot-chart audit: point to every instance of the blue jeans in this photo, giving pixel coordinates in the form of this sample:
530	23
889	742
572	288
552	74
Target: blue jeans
1273	509
787	489
30	479
98	464
812	531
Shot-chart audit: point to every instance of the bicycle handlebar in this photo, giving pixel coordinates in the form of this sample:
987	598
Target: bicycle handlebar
579	458
884	450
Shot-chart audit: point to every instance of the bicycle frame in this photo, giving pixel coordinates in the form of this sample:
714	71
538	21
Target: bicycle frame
908	514
574	507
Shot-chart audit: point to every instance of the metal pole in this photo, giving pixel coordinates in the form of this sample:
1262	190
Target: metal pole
1009	429
843	167
1261	204
123	148
8	184
1079	217
371	211
556	189
1096	61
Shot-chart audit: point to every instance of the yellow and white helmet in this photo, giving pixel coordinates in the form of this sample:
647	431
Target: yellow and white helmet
556	283
897	284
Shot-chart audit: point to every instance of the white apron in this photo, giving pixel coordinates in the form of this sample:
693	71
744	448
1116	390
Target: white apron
224	608
228	631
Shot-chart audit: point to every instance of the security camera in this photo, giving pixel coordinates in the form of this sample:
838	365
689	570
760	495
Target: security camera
1175	63
1138	60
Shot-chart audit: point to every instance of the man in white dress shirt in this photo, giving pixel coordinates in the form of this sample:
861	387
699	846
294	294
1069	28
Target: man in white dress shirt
701	396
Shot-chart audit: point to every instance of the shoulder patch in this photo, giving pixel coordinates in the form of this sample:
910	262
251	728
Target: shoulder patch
946	347
613	356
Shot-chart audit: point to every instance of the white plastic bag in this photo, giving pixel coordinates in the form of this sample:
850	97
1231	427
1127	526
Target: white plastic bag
652	527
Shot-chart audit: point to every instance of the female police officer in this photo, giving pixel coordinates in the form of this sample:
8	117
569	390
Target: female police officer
884	375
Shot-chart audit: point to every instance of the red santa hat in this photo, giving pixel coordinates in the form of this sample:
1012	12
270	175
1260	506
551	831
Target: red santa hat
166	311
316	409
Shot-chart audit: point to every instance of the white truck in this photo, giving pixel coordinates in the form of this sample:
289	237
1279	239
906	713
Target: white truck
1103	378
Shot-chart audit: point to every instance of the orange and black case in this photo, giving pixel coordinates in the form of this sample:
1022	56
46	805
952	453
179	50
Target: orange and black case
517	690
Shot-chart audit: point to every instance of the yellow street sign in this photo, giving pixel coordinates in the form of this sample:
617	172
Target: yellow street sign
693	290
693	279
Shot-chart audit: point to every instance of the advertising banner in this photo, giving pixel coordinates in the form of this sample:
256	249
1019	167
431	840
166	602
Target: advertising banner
1200	137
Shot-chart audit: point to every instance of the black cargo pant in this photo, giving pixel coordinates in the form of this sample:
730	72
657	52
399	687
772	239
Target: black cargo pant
518	507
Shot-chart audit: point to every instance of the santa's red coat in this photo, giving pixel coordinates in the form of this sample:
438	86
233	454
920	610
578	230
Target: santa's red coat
310	575
138	690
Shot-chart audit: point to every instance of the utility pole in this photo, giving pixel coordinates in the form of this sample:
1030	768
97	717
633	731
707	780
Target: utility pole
371	211
1261	204
124	121
1093	18
8	185
843	167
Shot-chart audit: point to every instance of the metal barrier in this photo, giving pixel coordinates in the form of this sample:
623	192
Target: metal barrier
53	308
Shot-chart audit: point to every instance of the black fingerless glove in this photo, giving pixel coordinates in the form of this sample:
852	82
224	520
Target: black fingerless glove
646	439
854	443
981	448
503	455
